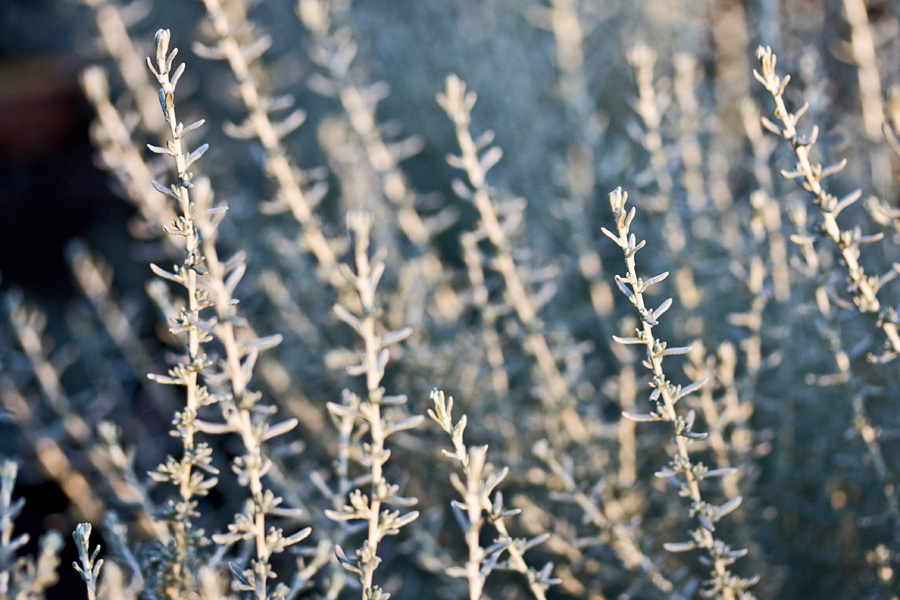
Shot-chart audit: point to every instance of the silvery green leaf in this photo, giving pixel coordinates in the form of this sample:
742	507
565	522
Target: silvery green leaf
633	247
346	562
234	277
196	154
624	288
162	102
290	123
193	126
869	239
612	236
490	158
377	270
455	161
177	75
676	351
163	189
629	217
297	537
690	389
280	428
847	200
544	575
164	379
662	309
404	501
226	539
159	150
264	343
766	123
719	472
347	317
539	539
453	455
810	139
461	189
803	239
394	525
641	417
730	506
494	479
395	400
835	168
159	272
458	484
152	69
629	340
485	139
456	572
498	547
655	280
396	336
202	488
408	423
680	546
459	428
691	417
204	51
356	370
239	575
282	102
213	428
244	131
340	516
256	48
17	542
339	410
458	509
382	360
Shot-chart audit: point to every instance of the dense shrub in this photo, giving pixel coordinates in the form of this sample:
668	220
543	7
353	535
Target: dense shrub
691	391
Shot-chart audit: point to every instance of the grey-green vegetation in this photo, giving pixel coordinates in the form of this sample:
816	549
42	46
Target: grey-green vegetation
235	405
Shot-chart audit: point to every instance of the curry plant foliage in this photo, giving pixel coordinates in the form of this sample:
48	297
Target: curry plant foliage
685	472
672	393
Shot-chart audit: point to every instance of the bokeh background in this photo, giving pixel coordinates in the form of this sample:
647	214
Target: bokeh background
817	513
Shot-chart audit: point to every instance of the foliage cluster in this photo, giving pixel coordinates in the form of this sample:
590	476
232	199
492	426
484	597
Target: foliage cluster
263	411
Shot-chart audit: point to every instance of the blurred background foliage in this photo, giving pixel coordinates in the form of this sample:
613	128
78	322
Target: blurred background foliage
817	513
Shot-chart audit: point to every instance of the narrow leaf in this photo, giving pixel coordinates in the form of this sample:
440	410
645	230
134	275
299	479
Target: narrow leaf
163	189
655	280
611	236
196	154
629	340
348	317
730	506
676	351
662	309
159	150
280	428
396	336
641	417
679	546
193	126
490	158
166	274
686	391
